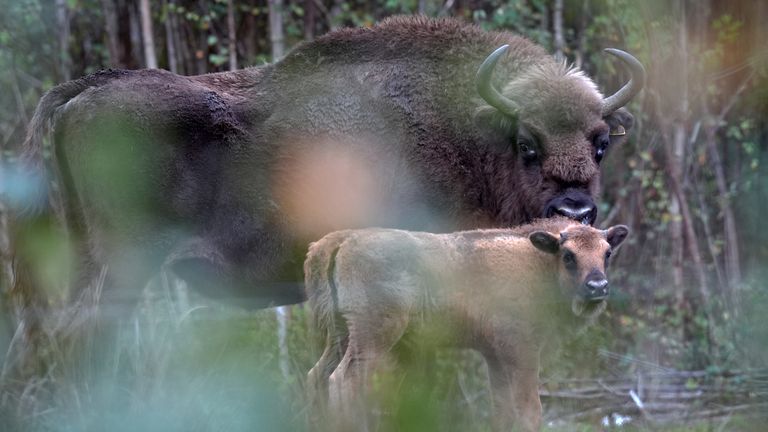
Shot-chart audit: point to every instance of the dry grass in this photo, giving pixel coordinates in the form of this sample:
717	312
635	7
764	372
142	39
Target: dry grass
180	362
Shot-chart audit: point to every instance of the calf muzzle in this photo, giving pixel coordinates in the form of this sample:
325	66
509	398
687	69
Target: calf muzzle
596	290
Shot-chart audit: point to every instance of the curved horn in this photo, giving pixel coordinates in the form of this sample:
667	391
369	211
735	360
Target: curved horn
630	89
485	88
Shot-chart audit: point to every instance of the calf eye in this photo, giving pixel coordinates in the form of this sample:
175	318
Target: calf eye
607	257
569	260
601	145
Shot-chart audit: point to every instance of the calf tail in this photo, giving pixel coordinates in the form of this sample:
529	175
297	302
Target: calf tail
319	271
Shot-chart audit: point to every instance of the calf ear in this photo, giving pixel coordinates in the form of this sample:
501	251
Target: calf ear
545	241
616	234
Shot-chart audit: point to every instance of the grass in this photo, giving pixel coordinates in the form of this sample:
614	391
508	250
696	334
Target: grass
181	363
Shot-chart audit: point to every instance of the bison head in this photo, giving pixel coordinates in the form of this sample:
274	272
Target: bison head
557	128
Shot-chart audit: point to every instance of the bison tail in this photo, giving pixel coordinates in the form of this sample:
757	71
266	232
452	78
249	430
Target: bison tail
27	206
29	186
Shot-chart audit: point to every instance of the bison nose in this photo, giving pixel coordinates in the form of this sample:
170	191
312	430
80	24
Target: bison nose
585	214
573	204
579	209
596	289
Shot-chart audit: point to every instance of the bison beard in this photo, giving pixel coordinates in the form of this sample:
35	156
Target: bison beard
224	178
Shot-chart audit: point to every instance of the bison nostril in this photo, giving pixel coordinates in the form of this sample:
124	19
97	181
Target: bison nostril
574	205
599	286
585	214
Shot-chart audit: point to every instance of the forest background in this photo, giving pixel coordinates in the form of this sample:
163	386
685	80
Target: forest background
690	182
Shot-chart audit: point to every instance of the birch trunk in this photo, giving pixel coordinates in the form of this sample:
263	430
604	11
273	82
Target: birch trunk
276	34
62	22
170	39
581	44
557	24
147	37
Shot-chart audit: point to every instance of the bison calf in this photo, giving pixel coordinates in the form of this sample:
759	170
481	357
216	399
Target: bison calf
495	291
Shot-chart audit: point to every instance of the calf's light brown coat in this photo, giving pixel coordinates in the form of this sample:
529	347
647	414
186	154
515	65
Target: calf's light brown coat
495	291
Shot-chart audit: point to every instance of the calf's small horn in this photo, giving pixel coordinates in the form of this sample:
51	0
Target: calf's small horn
630	89
485	87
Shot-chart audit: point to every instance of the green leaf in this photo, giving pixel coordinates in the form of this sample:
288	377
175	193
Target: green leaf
218	59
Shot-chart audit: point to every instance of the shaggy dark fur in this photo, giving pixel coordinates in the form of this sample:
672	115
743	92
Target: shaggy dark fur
160	168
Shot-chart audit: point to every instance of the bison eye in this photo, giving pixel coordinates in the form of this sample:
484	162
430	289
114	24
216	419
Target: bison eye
569	260
527	150
601	145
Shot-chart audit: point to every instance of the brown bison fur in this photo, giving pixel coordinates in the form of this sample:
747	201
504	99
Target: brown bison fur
496	291
212	175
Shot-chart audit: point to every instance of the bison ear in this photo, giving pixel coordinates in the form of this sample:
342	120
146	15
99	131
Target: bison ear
199	263
501	126
545	241
616	235
619	123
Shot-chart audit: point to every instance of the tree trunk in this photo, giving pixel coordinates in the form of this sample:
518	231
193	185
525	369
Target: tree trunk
134	22
422	7
185	45
113	32
310	17
680	141
62	22
127	35
447	6
732	262
170	38
201	53
250	39
675	173
231	35
150	59
557	24
283	315
276	35
334	16
581	44
675	166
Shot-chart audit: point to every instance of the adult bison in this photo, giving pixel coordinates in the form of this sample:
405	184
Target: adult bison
224	178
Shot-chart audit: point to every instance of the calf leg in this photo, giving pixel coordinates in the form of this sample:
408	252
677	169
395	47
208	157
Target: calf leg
318	376
515	391
368	352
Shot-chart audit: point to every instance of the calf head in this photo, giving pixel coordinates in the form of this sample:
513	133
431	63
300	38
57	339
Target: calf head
583	254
